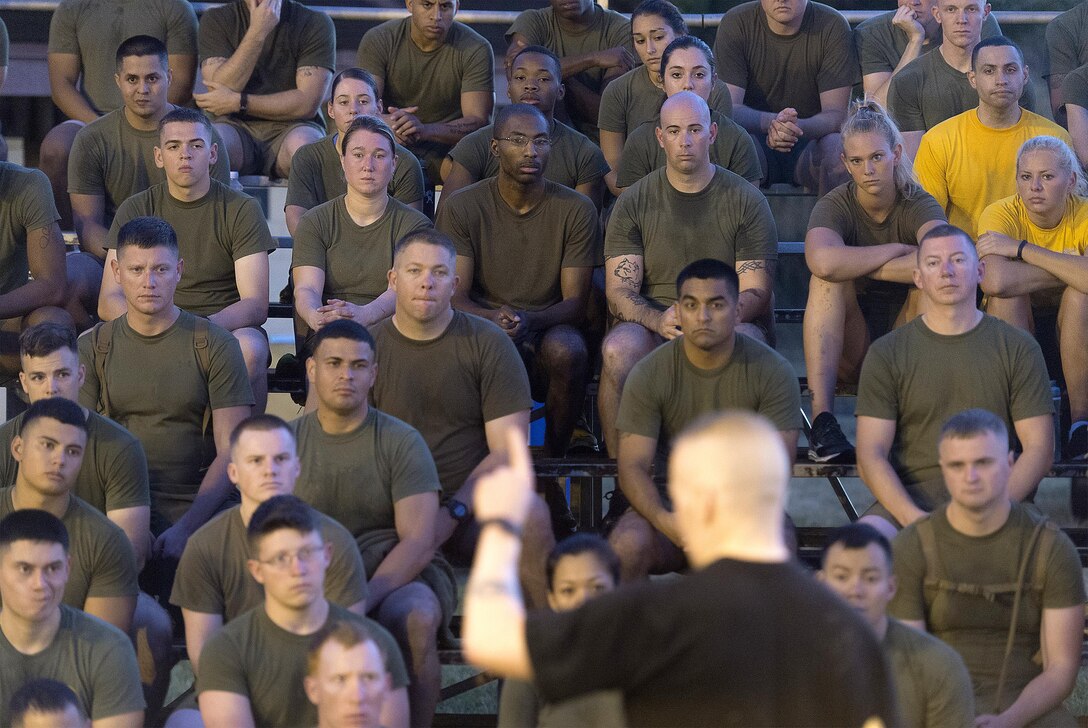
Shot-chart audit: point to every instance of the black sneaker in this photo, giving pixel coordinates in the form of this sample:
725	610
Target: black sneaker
826	443
1076	445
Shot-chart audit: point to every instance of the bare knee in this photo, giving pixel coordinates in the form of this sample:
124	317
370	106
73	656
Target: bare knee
254	348
414	614
752	332
294	140
632	538
624	346
887	529
563	350
538	527
55	149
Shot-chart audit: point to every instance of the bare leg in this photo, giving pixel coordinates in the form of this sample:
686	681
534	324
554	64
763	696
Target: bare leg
254	347
537	542
835	339
412	614
1015	311
233	143
622	348
642	549
565	358
153	633
53	160
296	138
84	281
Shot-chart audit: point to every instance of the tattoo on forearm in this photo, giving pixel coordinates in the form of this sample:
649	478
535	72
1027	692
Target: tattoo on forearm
43	238
750	265
628	271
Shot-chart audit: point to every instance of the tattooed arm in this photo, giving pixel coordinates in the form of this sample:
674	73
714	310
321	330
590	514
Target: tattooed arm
756	286
622	286
45	254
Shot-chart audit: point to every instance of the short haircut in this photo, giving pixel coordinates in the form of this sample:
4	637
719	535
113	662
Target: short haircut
259	423
372	124
541	51
426	236
47	337
277	513
186	116
42	695
142	45
687	41
31	524
710	269
583	543
60	409
664	10
345	632
992	42
506	113
343	329
858	536
972	423
146	233
946	231
354	74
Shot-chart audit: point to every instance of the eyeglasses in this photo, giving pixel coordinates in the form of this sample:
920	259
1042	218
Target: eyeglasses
286	559
522	141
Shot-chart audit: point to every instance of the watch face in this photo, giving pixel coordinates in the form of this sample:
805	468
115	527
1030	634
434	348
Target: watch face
458	509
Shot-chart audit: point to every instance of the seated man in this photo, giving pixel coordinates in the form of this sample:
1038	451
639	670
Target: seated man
1033	245
1066	50
49	450
789	68
535	78
375	473
861	247
251	671
113	157
435	75
266	65
46	702
346	679
888	42
224	242
687	64
187	459
113	476
213	585
1075	108
548	236
317	172
954	357
937	86
931	681
457	379
41	637
594	47
1008	582
709	368
964	161
662	644
83	35
688	210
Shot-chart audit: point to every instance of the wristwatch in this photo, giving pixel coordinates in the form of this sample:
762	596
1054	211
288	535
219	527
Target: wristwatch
457	509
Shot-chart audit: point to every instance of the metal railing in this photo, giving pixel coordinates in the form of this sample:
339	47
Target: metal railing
505	17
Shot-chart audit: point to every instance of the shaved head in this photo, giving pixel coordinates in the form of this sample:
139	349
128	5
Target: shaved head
684	104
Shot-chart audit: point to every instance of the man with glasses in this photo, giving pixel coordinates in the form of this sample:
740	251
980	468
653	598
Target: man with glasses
526	248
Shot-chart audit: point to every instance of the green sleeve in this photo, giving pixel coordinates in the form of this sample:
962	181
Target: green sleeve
3	44
249	232
451	221
909	567
213	39
590	162
318	46
613	113
35	205
62	31
530	24
471	154
407	185
114	571
117	689
309	246
345	580
1064	585
757	236
624	235
581	247
8	466
781	400
196	584
479	69
86	165
88	393
126	478
1029	385
877	391
741	157
504	385
181	29
875	54
228	382
731	50
376	50
639	155
950	699
1075	88
1062	48
904	103
640	405
221	666
305	177
839	64
413	469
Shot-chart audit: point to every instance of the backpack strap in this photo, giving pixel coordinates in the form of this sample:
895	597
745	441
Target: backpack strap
102	341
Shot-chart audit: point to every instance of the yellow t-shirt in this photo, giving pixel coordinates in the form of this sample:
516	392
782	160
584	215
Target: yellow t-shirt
966	165
1010	217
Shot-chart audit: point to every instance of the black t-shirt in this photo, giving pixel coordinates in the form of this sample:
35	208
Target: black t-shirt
737	643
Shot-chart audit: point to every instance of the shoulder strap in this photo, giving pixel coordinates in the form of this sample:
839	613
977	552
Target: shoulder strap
200	343
102	340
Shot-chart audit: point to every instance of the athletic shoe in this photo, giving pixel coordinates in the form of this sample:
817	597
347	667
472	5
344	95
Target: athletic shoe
826	443
1076	445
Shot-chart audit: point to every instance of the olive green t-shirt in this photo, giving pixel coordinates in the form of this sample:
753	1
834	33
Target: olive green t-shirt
114	471
918	379
729	219
448	387
1075	87
355	259
360	475
517	259
168	420
253	657
220	228
976	627
316	175
432	80
780	71
665	392
931	681
103	563
26	204
94	659
1066	48
880	45
113	159
574	159
303	37
632	99
840	211
93	29
733	149
4	43
212	576
928	91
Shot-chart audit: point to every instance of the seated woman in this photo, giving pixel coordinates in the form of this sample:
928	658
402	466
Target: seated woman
343	249
636	96
862	239
1032	245
579	568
